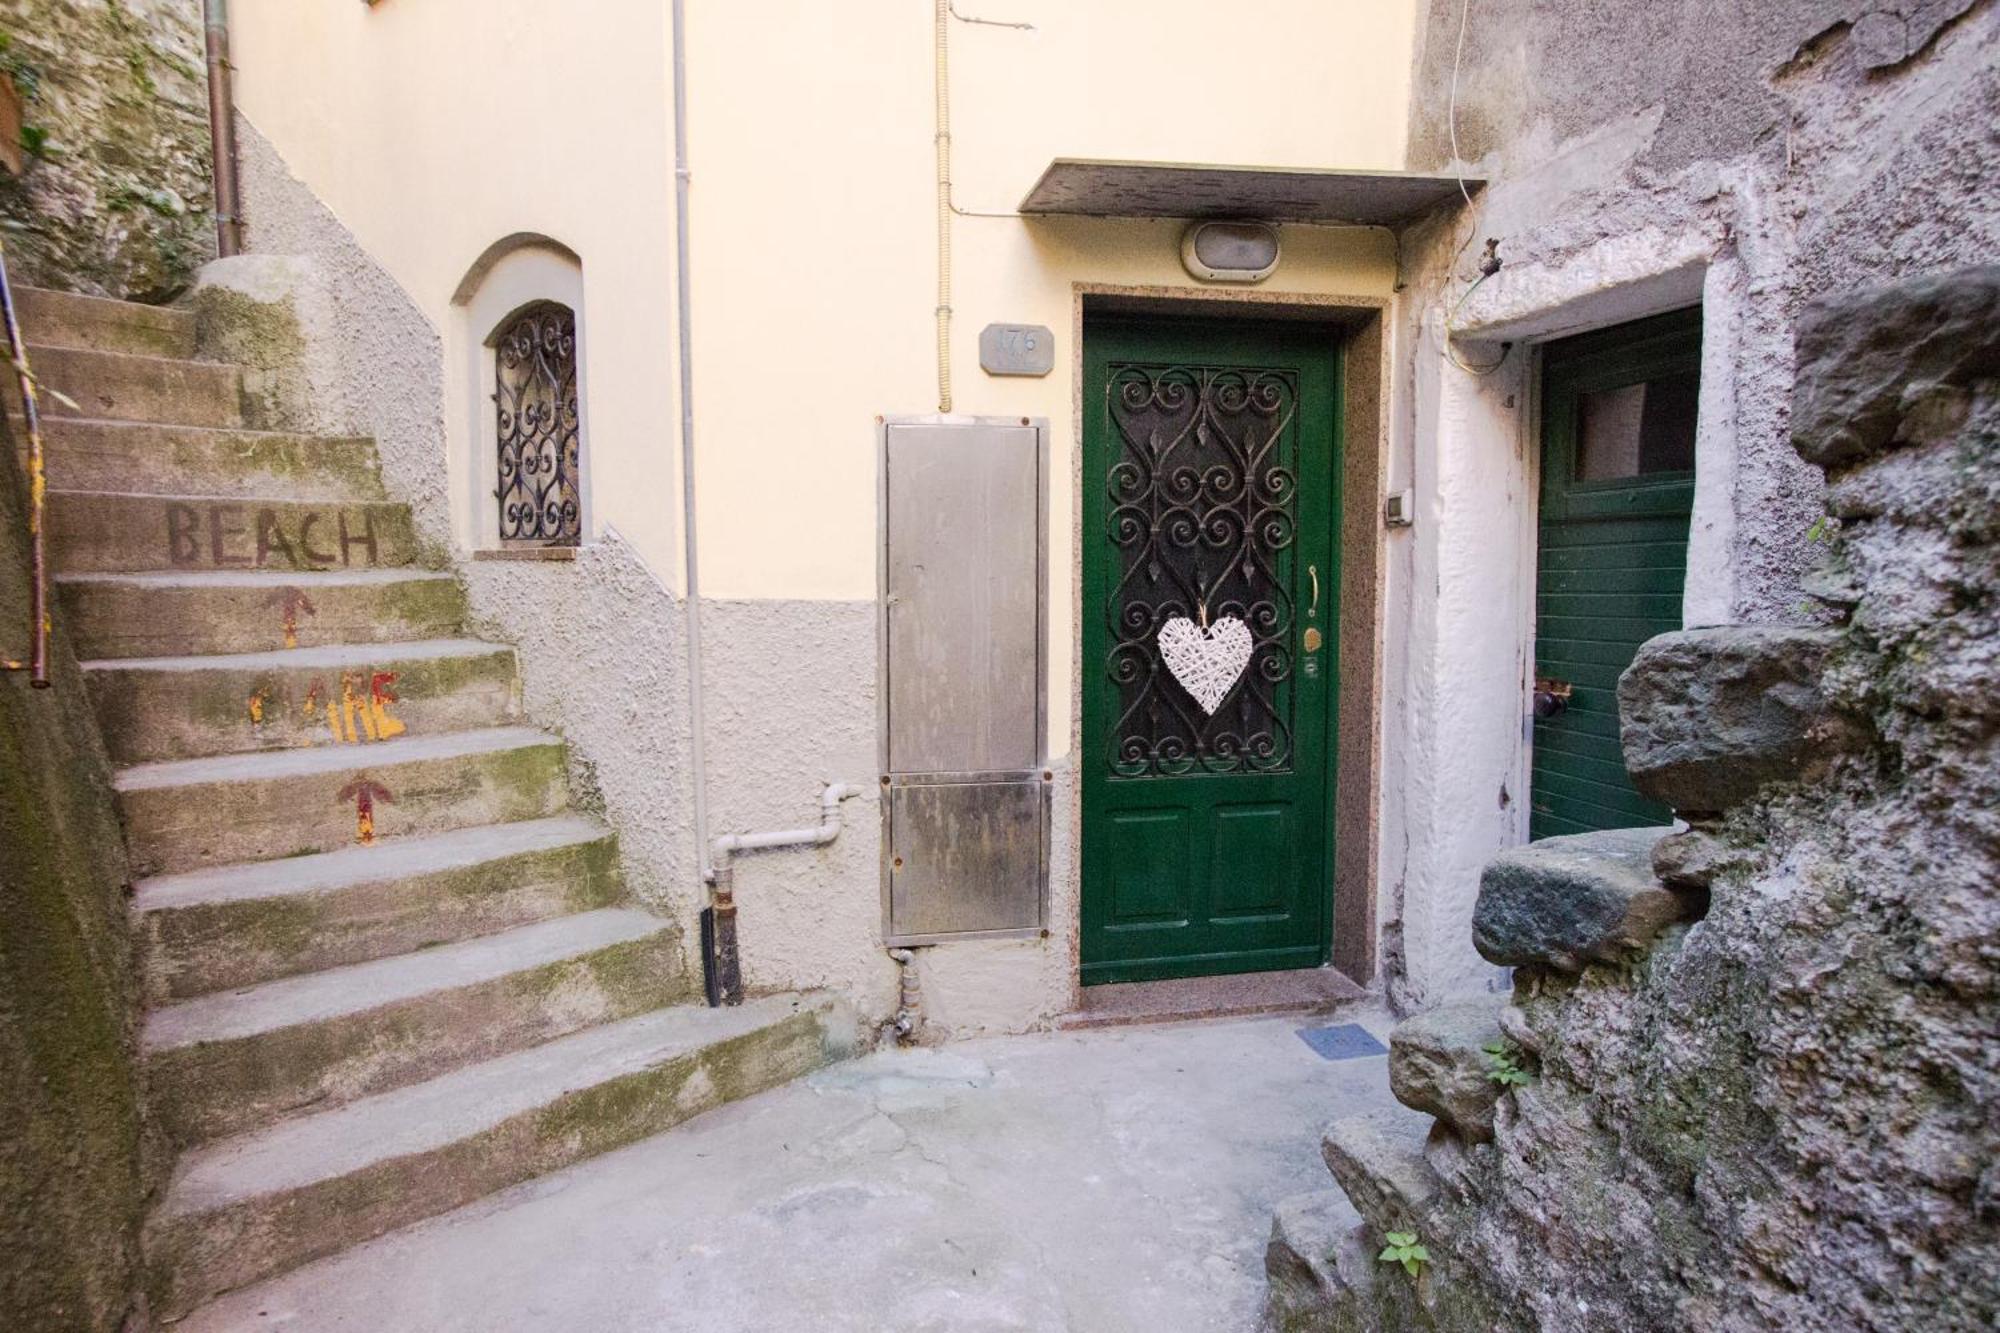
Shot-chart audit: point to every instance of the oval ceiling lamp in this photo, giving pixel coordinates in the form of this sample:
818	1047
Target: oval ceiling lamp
1230	251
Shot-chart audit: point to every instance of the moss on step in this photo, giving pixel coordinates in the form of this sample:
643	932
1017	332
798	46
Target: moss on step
205	1090
193	1257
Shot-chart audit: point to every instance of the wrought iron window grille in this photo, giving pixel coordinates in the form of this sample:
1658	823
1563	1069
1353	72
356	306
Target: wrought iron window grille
536	423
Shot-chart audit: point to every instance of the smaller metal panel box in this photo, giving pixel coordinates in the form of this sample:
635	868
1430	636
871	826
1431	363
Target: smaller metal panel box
963	670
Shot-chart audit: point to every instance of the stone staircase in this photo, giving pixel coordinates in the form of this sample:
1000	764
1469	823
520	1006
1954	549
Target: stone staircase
390	969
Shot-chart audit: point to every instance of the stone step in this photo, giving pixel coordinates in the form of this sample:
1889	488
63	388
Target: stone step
1439	1064
1377	1158
184	814
344	694
124	387
240	1059
256	1205
231	926
241	611
99	532
99	324
1319	1264
141	457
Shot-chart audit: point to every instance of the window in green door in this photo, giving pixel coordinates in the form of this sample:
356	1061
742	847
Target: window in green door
1618	433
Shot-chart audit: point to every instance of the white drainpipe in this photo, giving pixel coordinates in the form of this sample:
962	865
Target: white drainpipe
697	720
722	964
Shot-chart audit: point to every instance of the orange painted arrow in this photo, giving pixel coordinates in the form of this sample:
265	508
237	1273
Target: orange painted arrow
292	601
364	792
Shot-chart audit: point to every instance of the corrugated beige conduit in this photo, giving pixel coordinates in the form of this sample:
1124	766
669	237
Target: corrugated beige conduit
942	20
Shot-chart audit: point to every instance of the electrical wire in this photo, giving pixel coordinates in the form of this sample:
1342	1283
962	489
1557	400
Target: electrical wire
948	186
1451	116
1492	262
990	23
947	207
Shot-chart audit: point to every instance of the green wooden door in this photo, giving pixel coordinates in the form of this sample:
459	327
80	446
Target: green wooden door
1211	465
1618	414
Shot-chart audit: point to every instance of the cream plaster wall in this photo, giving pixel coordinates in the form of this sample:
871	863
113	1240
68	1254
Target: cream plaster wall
433	128
814	232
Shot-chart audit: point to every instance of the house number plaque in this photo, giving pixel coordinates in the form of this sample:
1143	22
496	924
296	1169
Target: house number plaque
1017	349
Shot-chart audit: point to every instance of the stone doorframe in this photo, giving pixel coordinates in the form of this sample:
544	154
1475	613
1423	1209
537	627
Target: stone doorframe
1358	753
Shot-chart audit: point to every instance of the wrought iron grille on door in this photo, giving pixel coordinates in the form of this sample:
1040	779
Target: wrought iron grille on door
1203	514
535	401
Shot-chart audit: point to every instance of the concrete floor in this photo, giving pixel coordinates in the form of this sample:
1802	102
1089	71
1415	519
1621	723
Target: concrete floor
1084	1182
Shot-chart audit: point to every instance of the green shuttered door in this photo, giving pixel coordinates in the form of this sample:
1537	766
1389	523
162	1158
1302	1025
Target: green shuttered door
1618	412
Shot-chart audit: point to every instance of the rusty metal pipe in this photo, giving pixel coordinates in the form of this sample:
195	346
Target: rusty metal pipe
222	130
910	1010
37	665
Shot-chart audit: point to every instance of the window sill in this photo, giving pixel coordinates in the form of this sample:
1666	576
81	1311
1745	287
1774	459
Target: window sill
559	554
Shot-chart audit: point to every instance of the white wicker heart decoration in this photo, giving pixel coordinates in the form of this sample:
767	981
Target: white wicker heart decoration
1207	662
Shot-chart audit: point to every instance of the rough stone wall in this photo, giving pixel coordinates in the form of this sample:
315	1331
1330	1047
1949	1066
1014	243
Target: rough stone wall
1640	156
71	1177
1794	148
373	362
115	198
1764	1093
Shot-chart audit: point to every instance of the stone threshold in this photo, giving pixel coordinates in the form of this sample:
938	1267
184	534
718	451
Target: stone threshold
1305	990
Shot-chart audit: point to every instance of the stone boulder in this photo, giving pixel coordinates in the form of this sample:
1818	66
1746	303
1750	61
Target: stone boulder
1567	902
1325	1276
1690	862
1861	355
1708	716
1317	1260
1378	1158
1438	1063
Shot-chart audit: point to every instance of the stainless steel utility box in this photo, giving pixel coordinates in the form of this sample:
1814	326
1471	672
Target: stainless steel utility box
963	662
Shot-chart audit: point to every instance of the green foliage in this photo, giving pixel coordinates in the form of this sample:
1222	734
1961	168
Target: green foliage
127	197
27	77
1404	1248
1821	530
1503	1064
138	51
35	140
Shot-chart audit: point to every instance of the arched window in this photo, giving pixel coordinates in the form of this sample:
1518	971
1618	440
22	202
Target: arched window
539	485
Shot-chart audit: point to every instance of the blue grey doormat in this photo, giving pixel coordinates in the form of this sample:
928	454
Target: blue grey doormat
1344	1041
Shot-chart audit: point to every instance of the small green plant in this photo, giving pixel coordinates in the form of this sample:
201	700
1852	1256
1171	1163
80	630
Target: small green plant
1404	1248
35	141
1821	530
1503	1064
27	78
